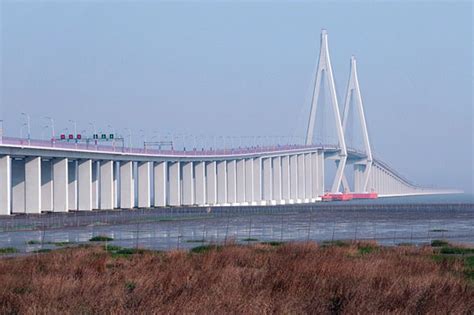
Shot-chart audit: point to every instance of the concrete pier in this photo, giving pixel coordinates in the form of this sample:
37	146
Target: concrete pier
211	183
72	185
308	183
144	185
232	182
241	181
85	185
33	185
200	183
127	189
5	185
160	171
267	180
277	180
249	182
293	178
257	180
60	185
285	178
174	184
46	185
188	184
222	182
106	185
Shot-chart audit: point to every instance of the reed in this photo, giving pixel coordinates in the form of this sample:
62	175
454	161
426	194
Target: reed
258	278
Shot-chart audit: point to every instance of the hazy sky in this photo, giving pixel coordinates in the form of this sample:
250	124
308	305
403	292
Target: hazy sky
235	68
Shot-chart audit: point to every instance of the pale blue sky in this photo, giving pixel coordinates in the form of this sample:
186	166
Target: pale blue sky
247	68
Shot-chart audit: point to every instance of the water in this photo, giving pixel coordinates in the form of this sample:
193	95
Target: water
448	217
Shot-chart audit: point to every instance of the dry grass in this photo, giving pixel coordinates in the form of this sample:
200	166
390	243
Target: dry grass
291	278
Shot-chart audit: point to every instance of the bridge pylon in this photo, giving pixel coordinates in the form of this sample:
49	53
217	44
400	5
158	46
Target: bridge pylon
324	66
361	168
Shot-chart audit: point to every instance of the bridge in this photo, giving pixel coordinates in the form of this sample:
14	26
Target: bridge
57	176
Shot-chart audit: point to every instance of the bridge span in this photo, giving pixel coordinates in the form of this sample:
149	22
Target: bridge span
38	176
57	176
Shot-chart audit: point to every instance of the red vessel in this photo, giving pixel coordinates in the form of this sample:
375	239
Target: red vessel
348	196
371	195
336	197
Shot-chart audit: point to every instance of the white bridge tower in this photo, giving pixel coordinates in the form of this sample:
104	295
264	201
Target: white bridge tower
361	167
324	66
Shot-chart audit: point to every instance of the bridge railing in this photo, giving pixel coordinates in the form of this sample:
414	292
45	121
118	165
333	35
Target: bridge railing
396	173
116	147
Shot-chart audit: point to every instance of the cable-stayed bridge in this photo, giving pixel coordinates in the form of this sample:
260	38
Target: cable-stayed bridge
38	176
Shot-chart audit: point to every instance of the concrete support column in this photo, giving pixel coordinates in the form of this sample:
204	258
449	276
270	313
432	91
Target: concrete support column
222	182
60	185
308	183
5	185
95	184
249	181
85	185
301	182
107	185
384	181
33	185
380	173
377	180
116	171
267	180
358	177
18	186
160	177
46	185
389	184
72	185
135	183
127	191
314	176
390	187
188	184
144	185
200	183
174	183
276	177
381	188
285	178
381	181
321	172
257	180
211	183
370	184
232	182
241	182
293	178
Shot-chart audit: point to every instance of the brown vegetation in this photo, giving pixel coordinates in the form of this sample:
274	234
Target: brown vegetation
291	278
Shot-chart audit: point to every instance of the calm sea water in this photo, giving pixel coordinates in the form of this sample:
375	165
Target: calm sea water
167	229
